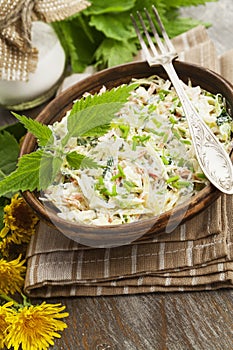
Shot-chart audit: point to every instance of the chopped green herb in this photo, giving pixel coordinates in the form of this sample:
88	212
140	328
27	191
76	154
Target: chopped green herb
176	133
172	179
139	140
120	174
224	117
180	184
166	160
129	185
173	120
156	122
152	108
185	141
124	130
163	94
201	175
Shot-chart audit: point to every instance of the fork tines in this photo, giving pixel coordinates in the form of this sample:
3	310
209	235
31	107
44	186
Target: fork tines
164	46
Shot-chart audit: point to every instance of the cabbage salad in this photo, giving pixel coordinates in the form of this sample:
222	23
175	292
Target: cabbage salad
146	161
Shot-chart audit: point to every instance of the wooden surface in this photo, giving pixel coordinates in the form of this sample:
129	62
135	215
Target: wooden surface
161	321
157	321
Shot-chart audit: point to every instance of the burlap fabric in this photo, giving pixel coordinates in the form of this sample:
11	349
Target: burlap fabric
198	255
18	57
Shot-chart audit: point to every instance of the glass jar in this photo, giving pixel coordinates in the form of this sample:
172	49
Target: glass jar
43	83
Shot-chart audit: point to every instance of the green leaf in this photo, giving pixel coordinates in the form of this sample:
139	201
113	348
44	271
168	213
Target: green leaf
180	25
40	131
25	177
161	6
59	29
80	161
114	26
97	131
95	111
35	171
119	94
113	52
9	151
49	167
79	41
101	7
79	125
15	129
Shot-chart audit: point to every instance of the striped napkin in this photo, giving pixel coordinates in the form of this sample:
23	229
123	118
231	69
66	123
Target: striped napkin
197	255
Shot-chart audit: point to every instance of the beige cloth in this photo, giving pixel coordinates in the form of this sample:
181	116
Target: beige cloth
198	255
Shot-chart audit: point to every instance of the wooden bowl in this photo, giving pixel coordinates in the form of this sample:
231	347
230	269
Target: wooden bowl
110	236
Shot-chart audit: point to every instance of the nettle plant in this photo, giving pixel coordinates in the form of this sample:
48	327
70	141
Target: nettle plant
103	34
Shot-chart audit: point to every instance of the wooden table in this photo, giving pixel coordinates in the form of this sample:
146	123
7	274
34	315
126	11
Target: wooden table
173	321
158	321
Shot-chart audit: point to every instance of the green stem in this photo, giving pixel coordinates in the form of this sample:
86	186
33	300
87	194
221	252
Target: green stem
17	305
26	302
7	298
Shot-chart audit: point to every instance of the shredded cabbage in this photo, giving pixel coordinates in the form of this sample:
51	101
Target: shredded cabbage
147	163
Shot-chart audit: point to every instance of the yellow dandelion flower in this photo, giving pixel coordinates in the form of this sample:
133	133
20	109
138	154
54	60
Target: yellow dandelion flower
19	221
5	247
34	327
4	312
10	250
11	279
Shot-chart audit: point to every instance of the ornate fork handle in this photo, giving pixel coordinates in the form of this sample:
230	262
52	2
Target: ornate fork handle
212	157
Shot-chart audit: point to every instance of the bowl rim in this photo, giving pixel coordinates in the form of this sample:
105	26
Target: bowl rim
199	202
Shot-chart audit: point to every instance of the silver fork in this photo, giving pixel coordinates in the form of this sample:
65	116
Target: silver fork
212	157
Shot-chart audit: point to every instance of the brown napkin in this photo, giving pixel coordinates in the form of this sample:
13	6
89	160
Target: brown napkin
197	255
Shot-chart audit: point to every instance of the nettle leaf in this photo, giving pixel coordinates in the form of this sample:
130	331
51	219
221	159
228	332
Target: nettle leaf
161	6
25	177
16	129
49	167
97	116
35	171
97	131
40	131
114	52
9	151
181	25
56	166
96	111
114	26
118	94
79	40
100	6
80	161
